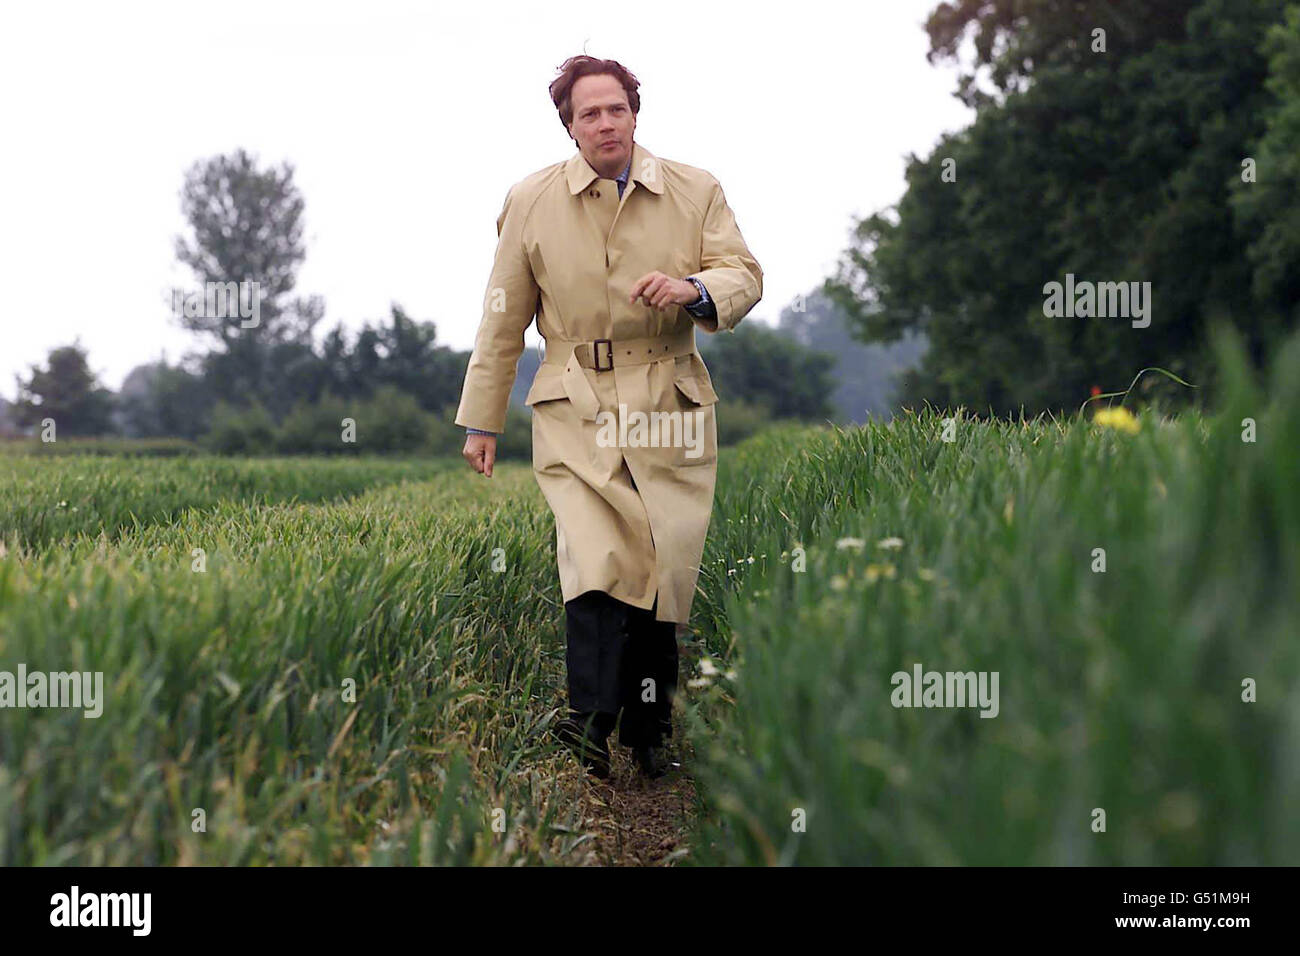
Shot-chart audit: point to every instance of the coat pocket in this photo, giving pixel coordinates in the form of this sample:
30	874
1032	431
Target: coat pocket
544	388
702	446
697	391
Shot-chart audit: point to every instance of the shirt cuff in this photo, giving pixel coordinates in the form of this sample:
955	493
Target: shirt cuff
703	306
477	431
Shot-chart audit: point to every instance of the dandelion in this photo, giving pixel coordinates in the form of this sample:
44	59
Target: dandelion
1118	418
698	682
730	675
857	544
750	559
706	667
890	543
839	582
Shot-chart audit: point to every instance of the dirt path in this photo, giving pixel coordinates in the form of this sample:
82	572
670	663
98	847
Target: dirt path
637	821
641	822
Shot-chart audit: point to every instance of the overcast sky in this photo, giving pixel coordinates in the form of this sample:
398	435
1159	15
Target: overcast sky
407	123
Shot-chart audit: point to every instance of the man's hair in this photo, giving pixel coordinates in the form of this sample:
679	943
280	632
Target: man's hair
579	66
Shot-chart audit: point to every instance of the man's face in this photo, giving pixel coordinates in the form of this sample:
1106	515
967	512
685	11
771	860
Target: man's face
603	123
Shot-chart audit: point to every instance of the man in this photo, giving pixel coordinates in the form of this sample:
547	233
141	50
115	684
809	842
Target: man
619	254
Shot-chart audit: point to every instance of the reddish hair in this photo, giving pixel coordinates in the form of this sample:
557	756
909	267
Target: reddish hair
576	67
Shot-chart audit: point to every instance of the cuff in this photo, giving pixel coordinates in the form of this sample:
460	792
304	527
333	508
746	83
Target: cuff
702	307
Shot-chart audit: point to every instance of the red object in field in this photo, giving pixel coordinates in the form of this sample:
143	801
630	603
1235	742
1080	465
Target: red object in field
1096	391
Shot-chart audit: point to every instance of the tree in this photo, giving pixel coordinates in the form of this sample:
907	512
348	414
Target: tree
1018	39
162	400
1267	208
402	353
866	378
67	391
763	367
1118	166
8	427
247	227
417	365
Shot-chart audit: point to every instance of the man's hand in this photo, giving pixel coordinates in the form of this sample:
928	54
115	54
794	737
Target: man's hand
660	291
481	451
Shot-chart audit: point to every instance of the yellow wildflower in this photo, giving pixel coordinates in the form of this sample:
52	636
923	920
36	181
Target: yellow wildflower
1118	418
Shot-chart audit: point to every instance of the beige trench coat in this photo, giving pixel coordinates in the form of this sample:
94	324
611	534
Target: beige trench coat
631	513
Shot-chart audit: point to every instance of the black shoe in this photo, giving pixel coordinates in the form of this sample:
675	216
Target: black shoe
591	753
651	761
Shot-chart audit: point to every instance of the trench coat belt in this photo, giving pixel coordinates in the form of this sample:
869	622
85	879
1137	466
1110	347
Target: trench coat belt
604	355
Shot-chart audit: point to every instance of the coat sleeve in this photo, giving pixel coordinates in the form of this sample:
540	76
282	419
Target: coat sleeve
727	269
508	309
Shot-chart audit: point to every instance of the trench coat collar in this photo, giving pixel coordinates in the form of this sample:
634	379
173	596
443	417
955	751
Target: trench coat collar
645	170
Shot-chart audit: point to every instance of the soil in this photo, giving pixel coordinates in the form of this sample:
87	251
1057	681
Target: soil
638	821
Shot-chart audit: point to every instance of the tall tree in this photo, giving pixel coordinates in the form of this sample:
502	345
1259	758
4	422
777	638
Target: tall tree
247	226
1268	209
1014	40
1114	166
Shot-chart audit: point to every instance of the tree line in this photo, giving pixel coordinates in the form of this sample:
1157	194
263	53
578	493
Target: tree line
262	383
1149	146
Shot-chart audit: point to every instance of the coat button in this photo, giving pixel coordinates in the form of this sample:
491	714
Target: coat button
596	193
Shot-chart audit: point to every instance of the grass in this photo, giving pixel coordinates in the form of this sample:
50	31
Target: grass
229	689
43	500
1120	691
349	680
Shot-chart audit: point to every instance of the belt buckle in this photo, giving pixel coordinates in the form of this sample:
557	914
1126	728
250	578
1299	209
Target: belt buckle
595	351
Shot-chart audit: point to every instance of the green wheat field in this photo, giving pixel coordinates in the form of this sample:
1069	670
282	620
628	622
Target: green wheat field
351	680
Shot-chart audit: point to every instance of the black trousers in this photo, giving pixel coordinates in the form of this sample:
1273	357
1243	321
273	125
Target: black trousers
620	659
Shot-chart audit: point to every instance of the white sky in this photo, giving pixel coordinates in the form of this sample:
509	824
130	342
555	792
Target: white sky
407	123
